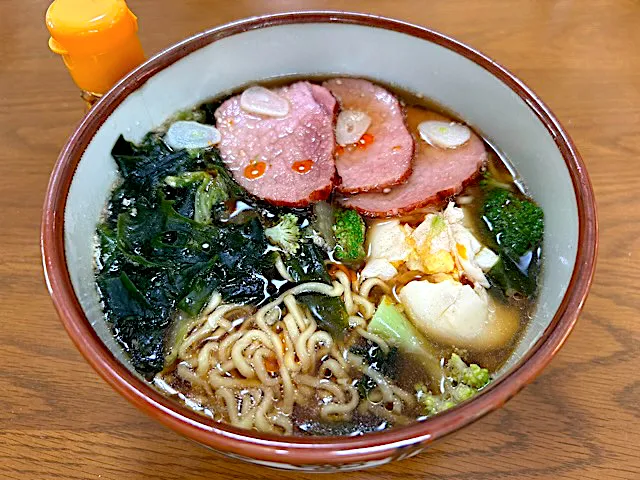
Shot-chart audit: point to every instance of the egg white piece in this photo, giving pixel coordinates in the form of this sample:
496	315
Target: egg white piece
444	134
451	312
190	134
447	231
388	240
378	268
440	244
262	101
467	247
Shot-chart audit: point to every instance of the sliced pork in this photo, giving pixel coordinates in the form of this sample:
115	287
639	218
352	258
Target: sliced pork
437	173
324	97
285	158
381	156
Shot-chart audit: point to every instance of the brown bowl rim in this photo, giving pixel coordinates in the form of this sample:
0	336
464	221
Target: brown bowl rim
307	450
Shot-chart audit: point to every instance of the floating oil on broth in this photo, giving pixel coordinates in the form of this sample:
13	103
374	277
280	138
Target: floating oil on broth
419	109
290	368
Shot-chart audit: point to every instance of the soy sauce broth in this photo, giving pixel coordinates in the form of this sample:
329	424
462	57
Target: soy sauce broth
419	108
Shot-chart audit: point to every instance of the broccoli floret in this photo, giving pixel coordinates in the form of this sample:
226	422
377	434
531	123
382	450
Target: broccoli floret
285	234
461	392
472	375
431	404
516	224
349	230
462	382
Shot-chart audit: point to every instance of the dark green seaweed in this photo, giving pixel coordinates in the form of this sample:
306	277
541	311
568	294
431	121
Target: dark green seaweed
154	257
308	264
372	354
171	238
513	225
329	312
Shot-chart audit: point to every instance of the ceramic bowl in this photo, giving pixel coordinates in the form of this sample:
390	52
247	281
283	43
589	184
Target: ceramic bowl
485	95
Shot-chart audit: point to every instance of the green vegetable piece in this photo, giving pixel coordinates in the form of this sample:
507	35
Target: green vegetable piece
185	179
461	392
194	115
202	287
285	234
393	327
438	225
349	232
307	265
373	356
146	164
176	335
431	404
508	276
516	224
461	382
329	312
472	375
489	182
211	191
322	225
108	242
137	323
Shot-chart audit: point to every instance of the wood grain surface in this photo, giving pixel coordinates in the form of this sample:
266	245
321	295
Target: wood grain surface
579	420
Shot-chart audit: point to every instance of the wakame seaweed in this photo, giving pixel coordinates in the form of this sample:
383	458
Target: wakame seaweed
156	254
308	266
172	236
372	354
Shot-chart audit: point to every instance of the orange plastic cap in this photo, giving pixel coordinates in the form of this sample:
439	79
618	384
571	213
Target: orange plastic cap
89	27
97	40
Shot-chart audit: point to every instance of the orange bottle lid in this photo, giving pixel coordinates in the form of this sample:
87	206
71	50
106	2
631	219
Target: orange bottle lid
89	26
97	40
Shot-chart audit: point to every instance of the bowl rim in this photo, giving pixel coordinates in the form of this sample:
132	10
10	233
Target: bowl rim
307	451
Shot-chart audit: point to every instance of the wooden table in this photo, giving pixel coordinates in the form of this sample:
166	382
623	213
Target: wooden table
579	420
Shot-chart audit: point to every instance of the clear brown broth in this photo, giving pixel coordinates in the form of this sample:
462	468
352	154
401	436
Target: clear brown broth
418	109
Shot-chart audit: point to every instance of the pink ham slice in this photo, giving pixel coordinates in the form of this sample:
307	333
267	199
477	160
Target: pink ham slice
304	136
324	98
387	160
437	173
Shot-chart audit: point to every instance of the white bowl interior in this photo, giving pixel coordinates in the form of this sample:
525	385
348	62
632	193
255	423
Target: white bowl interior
440	74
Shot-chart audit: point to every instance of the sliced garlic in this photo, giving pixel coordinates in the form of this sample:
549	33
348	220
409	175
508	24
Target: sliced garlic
189	134
262	101
444	134
350	126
